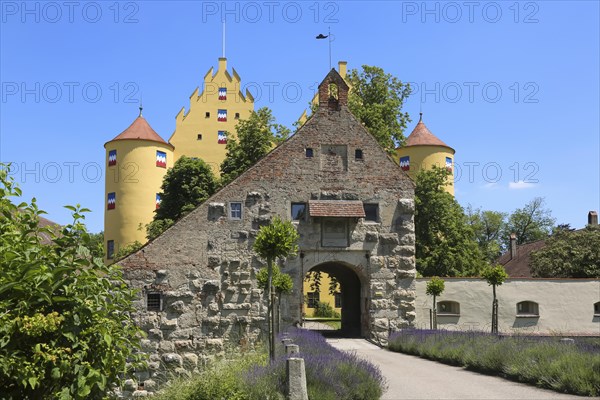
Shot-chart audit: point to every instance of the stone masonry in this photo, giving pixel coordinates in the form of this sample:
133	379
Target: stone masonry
198	292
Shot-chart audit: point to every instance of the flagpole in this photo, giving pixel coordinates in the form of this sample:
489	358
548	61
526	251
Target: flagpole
329	34
223	38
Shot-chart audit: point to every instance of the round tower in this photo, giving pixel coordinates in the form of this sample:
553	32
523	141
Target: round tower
423	150
136	162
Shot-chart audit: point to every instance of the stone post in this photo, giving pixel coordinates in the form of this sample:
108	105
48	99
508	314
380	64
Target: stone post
296	379
291	349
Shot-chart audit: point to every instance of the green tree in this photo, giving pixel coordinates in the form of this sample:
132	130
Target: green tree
569	254
530	223
256	136
97	244
488	228
127	250
277	240
494	276
435	287
65	330
184	187
376	99
445	244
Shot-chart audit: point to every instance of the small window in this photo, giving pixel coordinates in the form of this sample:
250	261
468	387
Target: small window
405	163
312	298
298	211
371	212
222	93
338	299
235	210
448	308
199	137
153	301
110	249
111	201
527	309
158	200
161	159
222	115
112	158
358	154
309	152
449	164
221	137
237	115
207	114
597	309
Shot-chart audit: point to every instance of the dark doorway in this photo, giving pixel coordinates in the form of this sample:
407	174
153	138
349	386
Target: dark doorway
349	297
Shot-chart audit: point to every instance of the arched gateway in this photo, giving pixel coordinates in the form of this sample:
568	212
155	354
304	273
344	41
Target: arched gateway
353	209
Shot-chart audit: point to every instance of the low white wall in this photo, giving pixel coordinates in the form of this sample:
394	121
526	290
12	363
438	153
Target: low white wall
566	306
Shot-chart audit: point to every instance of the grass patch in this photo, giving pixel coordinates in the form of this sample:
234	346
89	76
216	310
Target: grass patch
330	374
543	361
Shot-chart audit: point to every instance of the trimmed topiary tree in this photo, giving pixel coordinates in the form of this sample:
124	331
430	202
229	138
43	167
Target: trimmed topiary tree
435	287
494	276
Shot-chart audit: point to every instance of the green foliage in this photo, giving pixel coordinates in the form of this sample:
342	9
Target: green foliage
488	228
97	244
65	331
324	310
277	240
314	277
376	99
530	223
494	276
256	136
129	249
569	254
282	283
435	287
445	244
544	362
184	187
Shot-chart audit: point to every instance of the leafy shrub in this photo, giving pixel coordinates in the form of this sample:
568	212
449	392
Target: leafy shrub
324	310
541	361
64	328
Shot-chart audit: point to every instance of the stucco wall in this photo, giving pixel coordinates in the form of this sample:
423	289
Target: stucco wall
566	306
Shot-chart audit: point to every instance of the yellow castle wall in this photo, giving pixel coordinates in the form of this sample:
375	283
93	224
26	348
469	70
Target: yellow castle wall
135	180
424	157
324	296
189	125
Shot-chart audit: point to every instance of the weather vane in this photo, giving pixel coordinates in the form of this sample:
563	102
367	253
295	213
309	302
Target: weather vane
321	36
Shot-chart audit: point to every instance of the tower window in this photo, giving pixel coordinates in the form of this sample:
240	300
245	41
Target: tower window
199	137
222	93
161	159
111	201
309	152
110	249
237	115
112	158
405	163
158	200
207	114
358	154
222	116
153	301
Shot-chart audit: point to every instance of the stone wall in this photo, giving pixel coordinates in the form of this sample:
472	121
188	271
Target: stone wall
203	268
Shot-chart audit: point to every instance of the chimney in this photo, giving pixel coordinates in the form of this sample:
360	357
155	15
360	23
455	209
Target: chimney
513	246
343	68
592	218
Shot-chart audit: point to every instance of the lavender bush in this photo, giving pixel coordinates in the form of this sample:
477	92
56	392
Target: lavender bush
542	361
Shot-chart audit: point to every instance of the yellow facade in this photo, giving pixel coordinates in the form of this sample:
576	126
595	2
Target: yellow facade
197	131
135	180
324	295
426	156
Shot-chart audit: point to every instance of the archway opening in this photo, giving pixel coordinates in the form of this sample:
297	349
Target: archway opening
332	300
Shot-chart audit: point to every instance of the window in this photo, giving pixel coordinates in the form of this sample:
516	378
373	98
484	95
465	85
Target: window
312	298
235	210
309	152
207	114
110	249
298	211
358	154
237	115
221	137
449	164
405	163
112	158
158	200
448	308
153	301
222	93
199	136
337	296
334	232
527	309
161	159
111	201
222	115
371	212
597	309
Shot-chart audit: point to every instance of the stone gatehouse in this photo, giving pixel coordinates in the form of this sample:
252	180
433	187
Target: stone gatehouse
353	208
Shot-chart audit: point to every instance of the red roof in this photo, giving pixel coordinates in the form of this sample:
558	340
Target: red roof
336	208
518	267
140	129
422	136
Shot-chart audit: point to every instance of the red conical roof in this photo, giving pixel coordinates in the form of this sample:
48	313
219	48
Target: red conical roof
422	136
140	129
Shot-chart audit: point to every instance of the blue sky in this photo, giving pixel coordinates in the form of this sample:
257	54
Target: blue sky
512	86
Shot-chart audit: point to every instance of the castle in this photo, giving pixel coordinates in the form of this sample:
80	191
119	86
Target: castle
138	158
